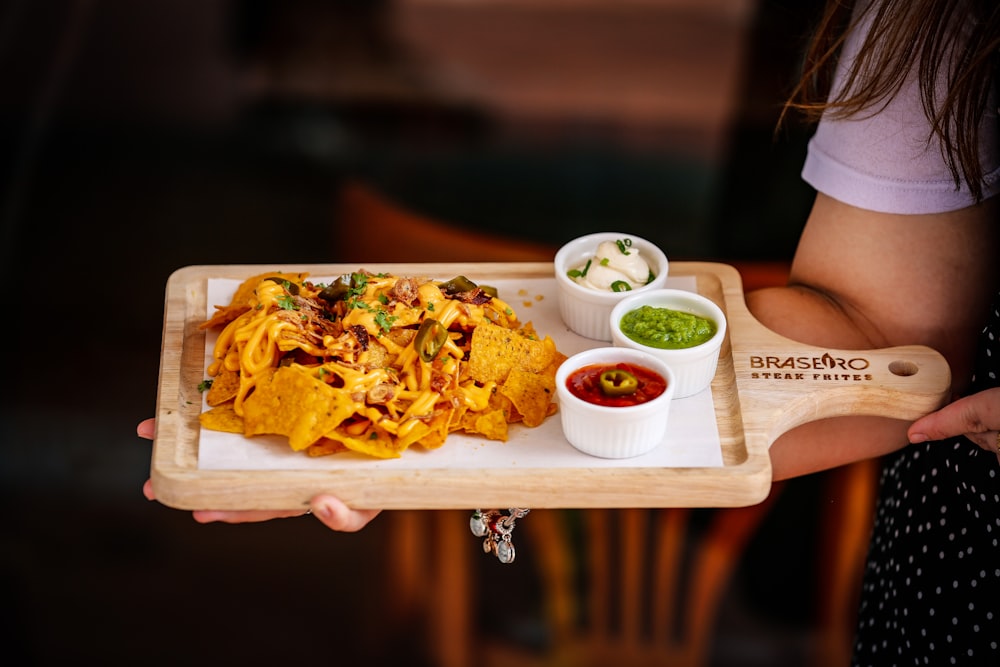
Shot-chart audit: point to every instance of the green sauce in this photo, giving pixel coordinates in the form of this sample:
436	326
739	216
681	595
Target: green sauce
665	328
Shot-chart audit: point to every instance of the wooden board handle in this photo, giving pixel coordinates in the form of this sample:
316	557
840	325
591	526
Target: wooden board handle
784	387
783	383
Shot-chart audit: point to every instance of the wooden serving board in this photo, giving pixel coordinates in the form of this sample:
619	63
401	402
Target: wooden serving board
765	385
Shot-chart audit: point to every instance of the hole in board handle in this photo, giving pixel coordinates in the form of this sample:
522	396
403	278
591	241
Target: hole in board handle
903	368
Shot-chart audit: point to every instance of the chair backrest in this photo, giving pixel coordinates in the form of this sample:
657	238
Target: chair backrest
371	228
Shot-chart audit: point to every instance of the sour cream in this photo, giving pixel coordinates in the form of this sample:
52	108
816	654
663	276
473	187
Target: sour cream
616	266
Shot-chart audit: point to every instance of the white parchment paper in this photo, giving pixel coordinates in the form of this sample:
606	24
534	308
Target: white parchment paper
692	438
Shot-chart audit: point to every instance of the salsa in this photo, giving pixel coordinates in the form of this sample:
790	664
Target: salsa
665	328
600	384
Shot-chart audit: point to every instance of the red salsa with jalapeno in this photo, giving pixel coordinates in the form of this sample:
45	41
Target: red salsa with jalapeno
615	385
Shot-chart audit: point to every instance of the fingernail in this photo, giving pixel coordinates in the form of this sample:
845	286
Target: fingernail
916	438
324	510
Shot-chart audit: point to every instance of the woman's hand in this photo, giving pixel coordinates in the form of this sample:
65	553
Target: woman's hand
334	514
976	416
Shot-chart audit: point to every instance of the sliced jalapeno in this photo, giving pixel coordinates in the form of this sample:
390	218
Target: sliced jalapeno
337	290
618	382
345	287
458	284
620	286
430	338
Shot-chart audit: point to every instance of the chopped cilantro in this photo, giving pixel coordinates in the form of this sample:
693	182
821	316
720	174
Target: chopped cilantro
359	283
384	320
286	302
204	385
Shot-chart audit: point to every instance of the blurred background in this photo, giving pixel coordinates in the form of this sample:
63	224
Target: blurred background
140	137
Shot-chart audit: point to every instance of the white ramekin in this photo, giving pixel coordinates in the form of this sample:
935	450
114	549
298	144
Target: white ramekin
693	367
586	311
613	432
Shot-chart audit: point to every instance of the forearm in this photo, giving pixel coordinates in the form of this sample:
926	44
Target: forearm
809	316
863	280
830	443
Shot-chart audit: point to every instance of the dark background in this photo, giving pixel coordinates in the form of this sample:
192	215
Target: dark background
137	138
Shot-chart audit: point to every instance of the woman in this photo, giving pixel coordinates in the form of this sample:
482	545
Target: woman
900	248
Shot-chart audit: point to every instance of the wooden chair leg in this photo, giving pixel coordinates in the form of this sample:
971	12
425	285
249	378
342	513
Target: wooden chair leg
727	537
451	598
405	577
846	531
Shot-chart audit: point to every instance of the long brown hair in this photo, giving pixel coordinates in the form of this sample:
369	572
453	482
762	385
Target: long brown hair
962	35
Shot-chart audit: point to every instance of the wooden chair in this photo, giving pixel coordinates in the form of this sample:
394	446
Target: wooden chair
650	592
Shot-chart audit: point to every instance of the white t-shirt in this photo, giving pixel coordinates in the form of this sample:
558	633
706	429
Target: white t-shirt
888	161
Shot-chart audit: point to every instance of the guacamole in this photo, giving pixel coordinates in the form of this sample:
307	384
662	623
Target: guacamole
665	328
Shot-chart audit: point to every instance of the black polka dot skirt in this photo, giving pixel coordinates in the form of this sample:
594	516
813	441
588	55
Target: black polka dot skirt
931	592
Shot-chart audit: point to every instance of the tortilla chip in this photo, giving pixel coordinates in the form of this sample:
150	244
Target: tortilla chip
496	350
491	424
531	394
438	428
377	444
415	433
500	402
325	447
222	418
224	388
557	360
297	405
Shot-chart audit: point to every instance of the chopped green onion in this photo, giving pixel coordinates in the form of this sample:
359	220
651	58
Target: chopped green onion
577	273
620	286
